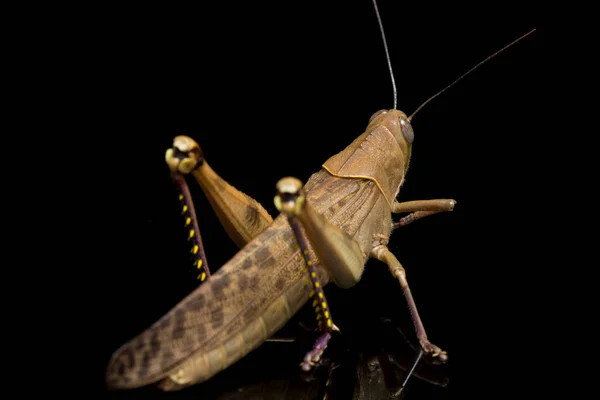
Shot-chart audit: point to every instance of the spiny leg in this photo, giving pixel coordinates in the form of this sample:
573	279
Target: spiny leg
182	160
242	217
290	200
420	209
191	223
320	305
382	253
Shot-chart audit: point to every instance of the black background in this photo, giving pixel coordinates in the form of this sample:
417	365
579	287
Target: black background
270	90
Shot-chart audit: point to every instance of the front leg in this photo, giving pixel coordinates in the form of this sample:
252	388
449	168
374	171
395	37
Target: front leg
420	209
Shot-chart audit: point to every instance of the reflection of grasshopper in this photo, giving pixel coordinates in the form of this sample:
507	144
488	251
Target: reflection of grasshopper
379	362
339	219
371	361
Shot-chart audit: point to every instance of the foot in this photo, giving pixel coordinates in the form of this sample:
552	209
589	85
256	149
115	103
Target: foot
438	355
314	356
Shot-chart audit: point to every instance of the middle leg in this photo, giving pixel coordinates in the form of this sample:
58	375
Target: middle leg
419	209
382	253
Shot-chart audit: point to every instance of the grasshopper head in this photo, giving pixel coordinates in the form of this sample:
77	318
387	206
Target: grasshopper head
399	126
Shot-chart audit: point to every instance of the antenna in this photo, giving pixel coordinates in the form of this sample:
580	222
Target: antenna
387	53
468	72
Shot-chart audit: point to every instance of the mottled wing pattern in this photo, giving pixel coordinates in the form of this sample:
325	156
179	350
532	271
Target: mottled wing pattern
236	294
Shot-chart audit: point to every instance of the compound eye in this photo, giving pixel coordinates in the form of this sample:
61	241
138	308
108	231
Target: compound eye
378	113
407	130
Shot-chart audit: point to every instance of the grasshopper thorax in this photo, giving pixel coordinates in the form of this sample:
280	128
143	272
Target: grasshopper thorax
381	154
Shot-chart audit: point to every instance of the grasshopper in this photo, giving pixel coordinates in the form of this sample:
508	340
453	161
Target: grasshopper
345	211
344	215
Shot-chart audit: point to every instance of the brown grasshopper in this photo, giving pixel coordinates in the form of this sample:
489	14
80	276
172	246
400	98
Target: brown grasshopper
345	212
341	217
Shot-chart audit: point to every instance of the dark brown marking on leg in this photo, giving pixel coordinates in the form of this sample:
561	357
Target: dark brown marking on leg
217	319
220	284
252	216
